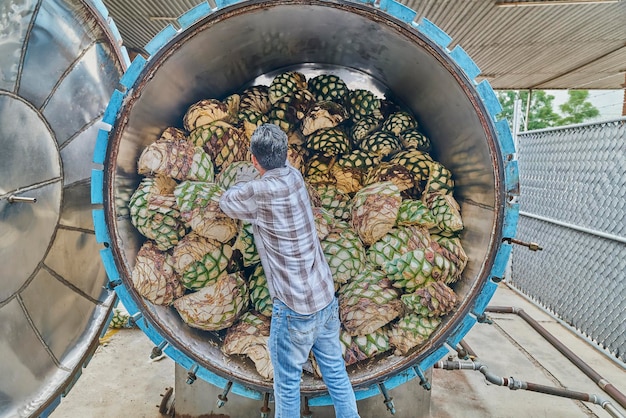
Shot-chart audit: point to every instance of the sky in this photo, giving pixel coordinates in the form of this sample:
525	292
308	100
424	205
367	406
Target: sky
608	102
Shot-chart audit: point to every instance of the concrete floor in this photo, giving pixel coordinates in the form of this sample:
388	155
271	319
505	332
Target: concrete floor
121	380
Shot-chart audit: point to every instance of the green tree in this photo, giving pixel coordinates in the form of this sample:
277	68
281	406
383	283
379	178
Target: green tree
541	114
577	109
507	101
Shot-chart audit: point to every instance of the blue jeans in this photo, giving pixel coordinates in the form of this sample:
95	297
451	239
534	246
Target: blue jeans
292	337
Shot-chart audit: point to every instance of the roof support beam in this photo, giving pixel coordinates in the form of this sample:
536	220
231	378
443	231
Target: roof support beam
505	3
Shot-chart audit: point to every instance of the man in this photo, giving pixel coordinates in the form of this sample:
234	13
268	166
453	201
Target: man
305	313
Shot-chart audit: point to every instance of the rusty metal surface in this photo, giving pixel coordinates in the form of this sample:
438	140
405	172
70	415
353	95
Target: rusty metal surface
216	57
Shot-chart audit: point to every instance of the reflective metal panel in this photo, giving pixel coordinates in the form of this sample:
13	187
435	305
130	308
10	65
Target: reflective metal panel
27	229
29	154
79	274
25	362
58	37
89	83
60	328
58	68
76	155
77	197
15	16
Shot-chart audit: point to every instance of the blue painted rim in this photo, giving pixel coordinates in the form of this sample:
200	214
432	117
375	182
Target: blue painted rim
511	208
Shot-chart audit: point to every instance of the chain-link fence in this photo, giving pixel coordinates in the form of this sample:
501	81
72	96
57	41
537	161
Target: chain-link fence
573	204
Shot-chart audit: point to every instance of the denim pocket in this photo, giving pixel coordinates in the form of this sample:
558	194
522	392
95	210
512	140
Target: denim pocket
301	328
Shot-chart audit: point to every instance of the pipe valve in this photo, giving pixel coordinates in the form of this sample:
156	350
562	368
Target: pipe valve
515	384
532	246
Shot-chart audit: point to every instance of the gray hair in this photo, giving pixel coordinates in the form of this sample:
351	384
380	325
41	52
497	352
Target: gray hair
269	145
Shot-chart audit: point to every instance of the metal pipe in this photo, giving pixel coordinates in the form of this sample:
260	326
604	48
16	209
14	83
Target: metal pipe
22	199
575	227
515	384
265	409
517	112
388	399
223	398
527	115
528	3
306	412
576	126
423	379
468	349
532	246
604	384
552	315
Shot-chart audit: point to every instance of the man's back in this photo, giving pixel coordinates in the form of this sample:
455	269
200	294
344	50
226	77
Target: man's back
279	209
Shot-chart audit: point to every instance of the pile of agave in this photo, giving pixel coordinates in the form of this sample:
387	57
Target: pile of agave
384	209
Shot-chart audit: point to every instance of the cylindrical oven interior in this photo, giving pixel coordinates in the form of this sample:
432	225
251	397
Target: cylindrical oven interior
242	45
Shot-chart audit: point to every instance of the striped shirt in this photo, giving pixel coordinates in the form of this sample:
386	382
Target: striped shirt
278	207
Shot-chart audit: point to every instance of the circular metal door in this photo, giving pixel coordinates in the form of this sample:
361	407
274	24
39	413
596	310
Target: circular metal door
59	64
213	52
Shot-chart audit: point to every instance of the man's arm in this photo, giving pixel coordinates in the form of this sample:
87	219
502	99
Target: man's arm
239	202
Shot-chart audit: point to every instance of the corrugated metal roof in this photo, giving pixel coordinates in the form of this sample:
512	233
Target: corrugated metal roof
564	46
